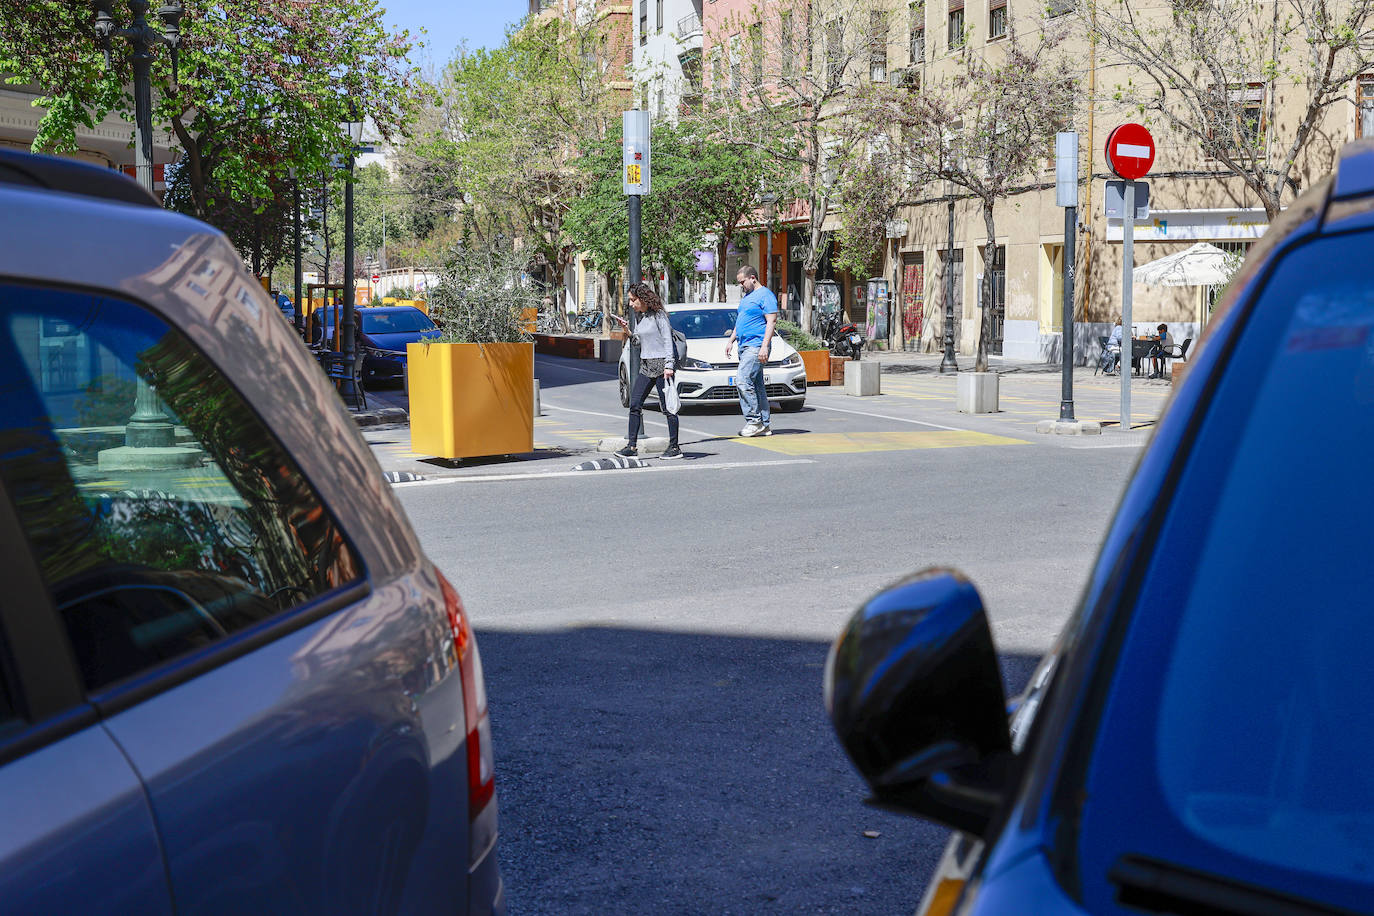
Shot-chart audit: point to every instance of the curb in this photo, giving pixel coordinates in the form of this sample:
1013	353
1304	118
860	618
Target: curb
381	416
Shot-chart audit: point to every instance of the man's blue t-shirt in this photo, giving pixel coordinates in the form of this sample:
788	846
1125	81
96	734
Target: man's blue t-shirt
751	324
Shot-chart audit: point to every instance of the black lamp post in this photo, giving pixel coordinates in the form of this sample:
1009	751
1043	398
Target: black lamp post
296	229
142	39
149	426
354	128
949	363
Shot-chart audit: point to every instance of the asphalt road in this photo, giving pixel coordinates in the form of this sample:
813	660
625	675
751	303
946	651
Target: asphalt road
654	639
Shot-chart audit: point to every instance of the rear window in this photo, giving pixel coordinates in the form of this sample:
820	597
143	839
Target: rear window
1240	730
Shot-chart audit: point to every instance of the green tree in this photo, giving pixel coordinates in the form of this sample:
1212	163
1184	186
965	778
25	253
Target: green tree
497	145
672	221
261	85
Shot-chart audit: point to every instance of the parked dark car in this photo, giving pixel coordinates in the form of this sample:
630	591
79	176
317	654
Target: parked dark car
385	332
1199	739
230	680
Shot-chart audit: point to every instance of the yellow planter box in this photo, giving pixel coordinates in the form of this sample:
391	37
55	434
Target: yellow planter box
420	304
817	363
530	317
468	400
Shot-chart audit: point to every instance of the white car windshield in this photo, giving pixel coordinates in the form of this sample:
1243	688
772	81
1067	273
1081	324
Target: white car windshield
702	323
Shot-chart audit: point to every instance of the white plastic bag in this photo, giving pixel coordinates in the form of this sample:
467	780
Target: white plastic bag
671	401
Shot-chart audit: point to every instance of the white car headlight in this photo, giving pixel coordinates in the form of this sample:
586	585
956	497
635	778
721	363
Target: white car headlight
694	363
793	360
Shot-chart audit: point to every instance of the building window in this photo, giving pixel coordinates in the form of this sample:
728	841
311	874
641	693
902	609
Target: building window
956	24
659	10
1238	116
997	19
735	64
834	50
1364	106
643	22
1058	8
785	42
918	32
877	46
756	53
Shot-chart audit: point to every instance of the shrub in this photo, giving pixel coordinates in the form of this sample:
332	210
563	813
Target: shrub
480	297
799	339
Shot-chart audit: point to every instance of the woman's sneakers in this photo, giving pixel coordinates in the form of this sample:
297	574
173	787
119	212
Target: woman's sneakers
671	452
629	451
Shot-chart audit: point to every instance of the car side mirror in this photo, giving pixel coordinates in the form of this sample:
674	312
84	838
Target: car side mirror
914	693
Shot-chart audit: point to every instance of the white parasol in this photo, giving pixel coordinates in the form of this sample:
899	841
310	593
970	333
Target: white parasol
1200	265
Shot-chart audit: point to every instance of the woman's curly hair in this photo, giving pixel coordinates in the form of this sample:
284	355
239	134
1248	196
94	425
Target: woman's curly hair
645	293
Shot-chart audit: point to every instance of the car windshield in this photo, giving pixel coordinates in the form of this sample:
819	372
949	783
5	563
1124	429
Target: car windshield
396	322
1245	673
699	323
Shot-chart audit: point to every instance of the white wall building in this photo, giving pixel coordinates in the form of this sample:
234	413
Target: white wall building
667	55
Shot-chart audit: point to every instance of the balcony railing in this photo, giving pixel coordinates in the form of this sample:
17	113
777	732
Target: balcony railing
688	25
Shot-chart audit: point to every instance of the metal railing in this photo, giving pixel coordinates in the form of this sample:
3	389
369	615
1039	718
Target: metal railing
688	25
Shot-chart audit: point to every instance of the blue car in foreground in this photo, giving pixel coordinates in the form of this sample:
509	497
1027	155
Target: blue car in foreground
230	679
1200	738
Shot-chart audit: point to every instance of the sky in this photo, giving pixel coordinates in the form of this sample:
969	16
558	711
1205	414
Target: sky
479	23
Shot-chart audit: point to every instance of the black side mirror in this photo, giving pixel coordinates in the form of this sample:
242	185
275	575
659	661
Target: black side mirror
914	693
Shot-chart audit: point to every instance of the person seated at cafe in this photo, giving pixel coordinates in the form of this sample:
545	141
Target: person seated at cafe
1112	358
1162	343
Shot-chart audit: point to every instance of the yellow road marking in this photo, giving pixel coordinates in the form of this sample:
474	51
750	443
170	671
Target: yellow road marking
849	443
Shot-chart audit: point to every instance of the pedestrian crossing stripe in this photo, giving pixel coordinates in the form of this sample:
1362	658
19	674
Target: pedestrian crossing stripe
850	443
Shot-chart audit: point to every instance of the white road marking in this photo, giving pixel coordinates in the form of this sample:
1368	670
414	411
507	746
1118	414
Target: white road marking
879	416
625	418
545	475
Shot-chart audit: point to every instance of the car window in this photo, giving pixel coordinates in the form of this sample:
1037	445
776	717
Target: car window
1244	678
701	323
396	322
159	549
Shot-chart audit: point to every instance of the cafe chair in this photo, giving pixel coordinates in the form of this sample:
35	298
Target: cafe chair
1174	351
1110	358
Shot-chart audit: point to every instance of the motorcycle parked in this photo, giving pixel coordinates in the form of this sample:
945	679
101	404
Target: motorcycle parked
840	336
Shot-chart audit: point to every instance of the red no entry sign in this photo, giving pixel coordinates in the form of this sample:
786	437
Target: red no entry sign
1130	151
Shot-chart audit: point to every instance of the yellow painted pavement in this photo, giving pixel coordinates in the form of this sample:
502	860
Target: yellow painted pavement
851	443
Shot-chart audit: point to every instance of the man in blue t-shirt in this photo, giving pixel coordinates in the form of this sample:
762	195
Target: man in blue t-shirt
758	313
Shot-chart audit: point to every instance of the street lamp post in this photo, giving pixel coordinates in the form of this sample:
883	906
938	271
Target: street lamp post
949	363
148	427
296	229
142	39
349	347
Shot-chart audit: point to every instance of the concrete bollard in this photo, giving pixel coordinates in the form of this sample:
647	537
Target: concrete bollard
862	378
536	398
976	392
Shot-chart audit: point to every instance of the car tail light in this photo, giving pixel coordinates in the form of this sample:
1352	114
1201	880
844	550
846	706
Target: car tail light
481	763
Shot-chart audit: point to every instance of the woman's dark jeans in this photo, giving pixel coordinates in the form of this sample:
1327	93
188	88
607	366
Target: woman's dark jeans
637	396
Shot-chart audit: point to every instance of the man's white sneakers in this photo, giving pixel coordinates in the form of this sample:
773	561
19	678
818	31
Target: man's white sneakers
752	429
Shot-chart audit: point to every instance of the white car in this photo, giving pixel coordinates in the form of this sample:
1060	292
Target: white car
708	377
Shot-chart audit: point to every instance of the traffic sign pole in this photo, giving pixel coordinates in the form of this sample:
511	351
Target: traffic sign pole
635	180
1127	281
1130	153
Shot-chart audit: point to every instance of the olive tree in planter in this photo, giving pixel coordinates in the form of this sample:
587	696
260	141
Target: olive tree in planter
472	387
815	357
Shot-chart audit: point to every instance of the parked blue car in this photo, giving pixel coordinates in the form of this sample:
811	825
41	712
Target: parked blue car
1199	740
386	330
230	680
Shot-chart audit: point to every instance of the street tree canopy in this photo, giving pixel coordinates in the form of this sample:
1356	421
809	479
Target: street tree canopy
262	85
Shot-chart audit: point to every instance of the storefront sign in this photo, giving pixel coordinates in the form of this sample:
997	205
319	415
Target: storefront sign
1195	226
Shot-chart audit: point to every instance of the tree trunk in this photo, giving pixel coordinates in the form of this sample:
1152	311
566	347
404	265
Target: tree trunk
985	316
722	247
